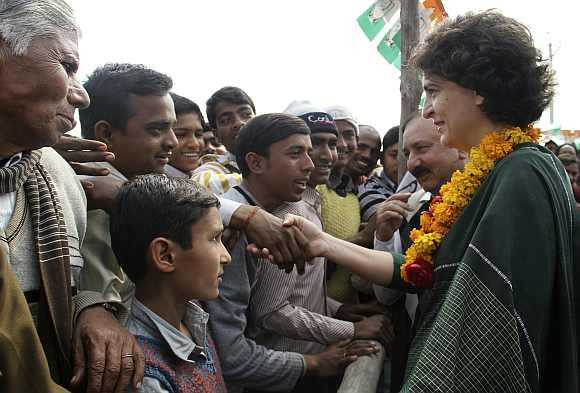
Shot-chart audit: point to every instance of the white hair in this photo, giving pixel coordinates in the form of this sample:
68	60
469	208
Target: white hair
21	21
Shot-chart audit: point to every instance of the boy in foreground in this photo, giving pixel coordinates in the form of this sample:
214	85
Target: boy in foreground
173	254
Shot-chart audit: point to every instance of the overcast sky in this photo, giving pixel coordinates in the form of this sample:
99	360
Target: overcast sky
279	51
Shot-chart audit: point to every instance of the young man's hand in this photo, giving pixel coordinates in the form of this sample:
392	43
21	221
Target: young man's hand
79	151
365	235
337	356
390	214
101	192
270	238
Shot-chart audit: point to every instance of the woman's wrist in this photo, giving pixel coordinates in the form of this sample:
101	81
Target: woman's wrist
329	245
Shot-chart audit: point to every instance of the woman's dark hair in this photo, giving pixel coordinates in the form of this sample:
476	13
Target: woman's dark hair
495	56
263	131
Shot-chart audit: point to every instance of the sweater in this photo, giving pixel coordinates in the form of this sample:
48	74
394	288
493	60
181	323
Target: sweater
341	219
175	362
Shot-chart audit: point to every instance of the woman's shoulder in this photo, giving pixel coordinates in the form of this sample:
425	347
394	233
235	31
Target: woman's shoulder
531	170
530	159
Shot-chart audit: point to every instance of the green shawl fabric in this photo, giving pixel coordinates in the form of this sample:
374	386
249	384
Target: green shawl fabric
501	314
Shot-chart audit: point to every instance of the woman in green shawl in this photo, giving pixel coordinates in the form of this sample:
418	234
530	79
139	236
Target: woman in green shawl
498	251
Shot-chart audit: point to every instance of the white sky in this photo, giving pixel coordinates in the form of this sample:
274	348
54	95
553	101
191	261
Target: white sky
279	51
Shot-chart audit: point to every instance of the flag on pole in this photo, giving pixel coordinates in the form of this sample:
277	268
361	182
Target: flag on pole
374	19
370	25
385	15
390	46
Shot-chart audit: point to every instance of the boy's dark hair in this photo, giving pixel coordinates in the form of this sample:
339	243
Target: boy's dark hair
229	94
391	137
263	131
109	88
184	105
495	56
151	206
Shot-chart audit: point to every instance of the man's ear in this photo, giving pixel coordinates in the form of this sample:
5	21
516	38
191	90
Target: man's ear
161	253
104	132
256	163
463	156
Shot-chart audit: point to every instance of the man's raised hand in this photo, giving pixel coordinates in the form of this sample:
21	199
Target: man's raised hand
78	152
390	214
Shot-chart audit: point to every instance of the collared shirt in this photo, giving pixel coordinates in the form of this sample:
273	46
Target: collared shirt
218	173
290	311
144	322
342	184
8	200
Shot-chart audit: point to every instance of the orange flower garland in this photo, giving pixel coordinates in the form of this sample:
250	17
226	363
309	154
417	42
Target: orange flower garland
454	196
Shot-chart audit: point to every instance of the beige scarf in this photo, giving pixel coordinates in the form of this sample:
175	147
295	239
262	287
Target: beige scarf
50	235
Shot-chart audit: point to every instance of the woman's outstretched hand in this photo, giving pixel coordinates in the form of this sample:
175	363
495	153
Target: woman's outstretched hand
314	242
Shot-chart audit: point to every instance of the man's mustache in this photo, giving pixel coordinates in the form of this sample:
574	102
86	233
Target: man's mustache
420	171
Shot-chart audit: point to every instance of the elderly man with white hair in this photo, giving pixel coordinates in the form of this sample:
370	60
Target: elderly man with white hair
45	325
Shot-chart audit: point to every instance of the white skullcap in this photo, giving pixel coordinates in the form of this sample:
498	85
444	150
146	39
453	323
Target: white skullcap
298	108
339	112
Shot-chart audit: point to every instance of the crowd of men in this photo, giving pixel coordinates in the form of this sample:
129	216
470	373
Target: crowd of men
151	254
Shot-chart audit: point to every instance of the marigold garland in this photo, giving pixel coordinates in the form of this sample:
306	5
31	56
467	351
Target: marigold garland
453	197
